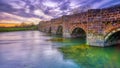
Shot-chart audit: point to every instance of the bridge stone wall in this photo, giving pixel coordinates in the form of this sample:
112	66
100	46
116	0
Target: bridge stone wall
97	23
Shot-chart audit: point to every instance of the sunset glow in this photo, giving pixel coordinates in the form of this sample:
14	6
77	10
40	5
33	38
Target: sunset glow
8	24
18	11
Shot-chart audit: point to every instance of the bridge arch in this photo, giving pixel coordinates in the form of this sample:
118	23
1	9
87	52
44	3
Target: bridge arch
78	33
59	30
113	37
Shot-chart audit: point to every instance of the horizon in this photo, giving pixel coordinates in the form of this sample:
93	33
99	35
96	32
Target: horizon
41	10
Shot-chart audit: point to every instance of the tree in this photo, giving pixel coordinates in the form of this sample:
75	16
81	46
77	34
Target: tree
23	24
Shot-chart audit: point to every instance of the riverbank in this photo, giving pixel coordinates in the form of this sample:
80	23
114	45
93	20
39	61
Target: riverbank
9	29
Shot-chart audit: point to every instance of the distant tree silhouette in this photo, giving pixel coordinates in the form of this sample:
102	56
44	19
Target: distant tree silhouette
23	24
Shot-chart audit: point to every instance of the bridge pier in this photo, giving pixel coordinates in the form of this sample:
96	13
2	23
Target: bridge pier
53	32
66	35
66	32
98	25
95	40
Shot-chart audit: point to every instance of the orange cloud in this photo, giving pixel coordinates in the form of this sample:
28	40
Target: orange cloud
8	24
10	18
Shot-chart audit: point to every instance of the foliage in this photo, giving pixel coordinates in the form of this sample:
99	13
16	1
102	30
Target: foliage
3	29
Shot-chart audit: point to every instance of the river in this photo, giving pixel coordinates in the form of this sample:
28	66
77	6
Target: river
34	49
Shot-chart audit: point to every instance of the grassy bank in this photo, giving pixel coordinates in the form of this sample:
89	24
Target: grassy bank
9	29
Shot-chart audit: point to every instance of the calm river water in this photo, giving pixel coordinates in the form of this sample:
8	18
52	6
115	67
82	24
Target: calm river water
34	49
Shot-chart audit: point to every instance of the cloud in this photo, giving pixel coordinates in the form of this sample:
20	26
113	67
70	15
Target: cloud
112	2
50	4
6	17
41	14
48	9
99	4
6	7
18	4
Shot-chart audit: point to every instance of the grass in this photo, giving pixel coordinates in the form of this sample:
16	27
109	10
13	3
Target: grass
9	29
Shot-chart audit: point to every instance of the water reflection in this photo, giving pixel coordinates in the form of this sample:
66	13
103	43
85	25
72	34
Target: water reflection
89	57
34	49
30	50
93	57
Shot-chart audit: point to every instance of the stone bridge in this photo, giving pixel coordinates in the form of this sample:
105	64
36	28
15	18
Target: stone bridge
100	27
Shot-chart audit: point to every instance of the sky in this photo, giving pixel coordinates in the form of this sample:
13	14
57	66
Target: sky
38	10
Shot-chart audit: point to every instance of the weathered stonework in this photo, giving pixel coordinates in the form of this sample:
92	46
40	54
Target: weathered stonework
97	23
